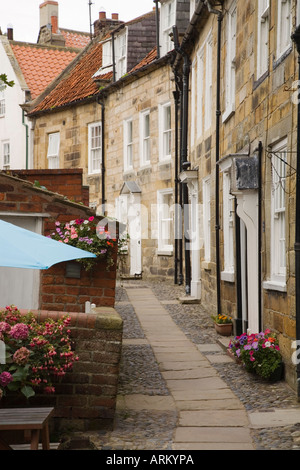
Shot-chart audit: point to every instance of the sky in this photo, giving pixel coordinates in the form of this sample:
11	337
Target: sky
23	15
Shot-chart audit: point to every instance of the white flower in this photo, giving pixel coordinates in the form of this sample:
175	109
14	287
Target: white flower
267	344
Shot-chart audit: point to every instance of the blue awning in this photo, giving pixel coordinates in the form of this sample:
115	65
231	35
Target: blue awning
21	248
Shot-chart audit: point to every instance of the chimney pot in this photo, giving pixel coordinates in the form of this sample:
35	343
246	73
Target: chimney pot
10	33
102	15
115	16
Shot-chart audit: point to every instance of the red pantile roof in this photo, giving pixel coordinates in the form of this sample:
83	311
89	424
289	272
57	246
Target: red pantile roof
147	60
75	38
40	64
78	84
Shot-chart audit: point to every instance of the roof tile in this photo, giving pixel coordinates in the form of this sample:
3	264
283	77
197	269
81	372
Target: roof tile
40	64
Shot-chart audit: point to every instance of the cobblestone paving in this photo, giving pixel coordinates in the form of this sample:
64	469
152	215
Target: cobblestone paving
153	430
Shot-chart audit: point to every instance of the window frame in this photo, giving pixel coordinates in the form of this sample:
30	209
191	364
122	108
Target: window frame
6	155
145	140
200	90
208	83
166	27
53	158
206	188
284	30
164	132
92	170
277	280
121	46
107	60
128	144
230	79
278	212
228	229
165	216
2	102
263	18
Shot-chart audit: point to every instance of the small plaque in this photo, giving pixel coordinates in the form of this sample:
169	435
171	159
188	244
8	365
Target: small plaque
73	270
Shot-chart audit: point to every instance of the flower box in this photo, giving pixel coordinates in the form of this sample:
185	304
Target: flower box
224	329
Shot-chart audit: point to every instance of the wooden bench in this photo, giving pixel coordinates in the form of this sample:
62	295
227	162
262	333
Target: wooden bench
26	419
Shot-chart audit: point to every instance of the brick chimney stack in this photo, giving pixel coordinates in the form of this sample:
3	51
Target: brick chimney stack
49	13
49	25
103	25
10	33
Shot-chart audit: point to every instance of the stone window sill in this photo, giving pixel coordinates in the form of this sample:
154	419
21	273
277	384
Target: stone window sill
275	285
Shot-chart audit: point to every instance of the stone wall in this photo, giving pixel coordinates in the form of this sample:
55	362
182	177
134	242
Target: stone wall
85	399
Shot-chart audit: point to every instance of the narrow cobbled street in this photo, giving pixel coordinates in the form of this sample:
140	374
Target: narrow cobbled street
147	418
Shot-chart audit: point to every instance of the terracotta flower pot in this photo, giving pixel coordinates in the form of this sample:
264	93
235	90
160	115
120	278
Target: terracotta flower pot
224	329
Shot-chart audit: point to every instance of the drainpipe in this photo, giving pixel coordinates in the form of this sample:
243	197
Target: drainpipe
27	137
296	38
103	200
184	164
179	207
259	150
177	215
218	114
157	28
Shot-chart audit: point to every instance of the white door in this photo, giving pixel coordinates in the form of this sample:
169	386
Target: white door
195	241
244	283
20	286
135	233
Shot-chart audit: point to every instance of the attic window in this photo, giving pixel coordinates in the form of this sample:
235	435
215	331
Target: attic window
121	54
107	54
168	20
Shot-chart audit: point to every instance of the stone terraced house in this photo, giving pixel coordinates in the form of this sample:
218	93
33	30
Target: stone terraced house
240	164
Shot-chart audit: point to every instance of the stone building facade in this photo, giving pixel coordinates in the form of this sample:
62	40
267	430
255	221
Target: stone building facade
242	153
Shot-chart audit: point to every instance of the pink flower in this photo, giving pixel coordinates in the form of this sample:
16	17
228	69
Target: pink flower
5	378
49	389
91	219
4	327
19	331
21	356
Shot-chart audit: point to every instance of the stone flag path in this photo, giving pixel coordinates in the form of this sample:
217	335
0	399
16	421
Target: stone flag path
210	414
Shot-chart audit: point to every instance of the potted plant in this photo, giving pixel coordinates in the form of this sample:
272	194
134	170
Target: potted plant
223	324
259	353
34	353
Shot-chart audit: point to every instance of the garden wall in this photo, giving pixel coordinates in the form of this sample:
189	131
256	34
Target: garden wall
62	290
85	399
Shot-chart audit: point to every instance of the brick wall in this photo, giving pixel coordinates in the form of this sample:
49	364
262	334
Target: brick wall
85	399
65	181
60	292
57	291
